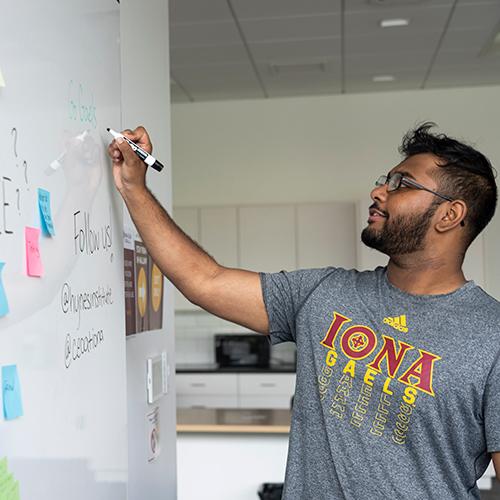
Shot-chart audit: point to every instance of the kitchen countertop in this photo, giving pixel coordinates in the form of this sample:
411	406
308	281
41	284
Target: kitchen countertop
209	420
214	368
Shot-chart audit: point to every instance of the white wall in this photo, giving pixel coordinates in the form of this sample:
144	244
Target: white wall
315	149
146	101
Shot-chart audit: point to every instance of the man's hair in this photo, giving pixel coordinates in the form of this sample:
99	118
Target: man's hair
466	173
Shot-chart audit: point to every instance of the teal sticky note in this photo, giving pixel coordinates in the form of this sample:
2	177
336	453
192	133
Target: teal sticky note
11	393
46	222
4	305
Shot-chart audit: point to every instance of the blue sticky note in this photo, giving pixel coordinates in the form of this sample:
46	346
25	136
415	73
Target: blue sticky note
4	305
11	392
46	222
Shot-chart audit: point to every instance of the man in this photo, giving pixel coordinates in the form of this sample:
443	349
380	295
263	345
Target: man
398	370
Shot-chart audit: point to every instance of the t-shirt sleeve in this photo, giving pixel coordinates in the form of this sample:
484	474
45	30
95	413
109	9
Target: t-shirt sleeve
284	294
492	409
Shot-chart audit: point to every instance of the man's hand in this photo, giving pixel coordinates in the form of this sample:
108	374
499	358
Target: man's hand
129	171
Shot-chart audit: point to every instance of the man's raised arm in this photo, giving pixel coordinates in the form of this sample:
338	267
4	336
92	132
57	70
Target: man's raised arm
232	294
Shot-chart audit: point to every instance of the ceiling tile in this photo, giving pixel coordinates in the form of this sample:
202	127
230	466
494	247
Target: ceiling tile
328	82
391	7
465	75
192	34
477	15
193	76
387	62
303	50
404	79
470	41
462	57
421	20
221	92
204	55
291	28
382	44
192	11
210	82
252	9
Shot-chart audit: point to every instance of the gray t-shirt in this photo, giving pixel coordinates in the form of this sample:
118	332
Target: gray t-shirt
397	395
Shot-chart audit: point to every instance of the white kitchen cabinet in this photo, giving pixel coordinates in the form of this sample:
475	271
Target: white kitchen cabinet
188	220
326	235
211	401
219	234
235	390
260	390
267	238
207	390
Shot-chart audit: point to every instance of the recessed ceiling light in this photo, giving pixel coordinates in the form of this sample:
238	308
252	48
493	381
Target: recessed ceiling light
394	23
383	78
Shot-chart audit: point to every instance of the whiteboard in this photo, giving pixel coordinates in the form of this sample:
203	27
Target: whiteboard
64	330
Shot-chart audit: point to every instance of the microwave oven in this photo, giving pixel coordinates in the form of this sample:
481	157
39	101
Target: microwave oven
242	350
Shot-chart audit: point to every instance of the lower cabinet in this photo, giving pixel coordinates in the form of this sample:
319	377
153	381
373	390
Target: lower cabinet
207	390
235	390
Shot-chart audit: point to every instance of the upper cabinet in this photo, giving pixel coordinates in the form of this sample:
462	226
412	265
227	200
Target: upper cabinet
326	235
219	234
267	238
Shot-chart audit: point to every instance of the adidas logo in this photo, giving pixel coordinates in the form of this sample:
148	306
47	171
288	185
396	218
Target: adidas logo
398	322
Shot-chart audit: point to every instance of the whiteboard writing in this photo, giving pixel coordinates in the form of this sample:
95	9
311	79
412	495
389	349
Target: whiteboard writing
81	104
89	239
75	302
12	187
77	347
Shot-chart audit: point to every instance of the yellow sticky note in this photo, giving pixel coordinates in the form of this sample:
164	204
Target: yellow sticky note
2	81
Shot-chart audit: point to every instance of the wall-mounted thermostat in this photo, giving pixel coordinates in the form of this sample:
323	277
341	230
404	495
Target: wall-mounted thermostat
157	372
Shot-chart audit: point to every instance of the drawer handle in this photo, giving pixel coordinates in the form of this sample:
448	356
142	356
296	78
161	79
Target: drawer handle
198	384
267	384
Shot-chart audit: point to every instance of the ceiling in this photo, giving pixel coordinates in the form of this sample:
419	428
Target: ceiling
244	49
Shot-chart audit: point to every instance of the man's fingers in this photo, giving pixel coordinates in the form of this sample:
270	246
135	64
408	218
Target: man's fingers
128	155
140	137
114	153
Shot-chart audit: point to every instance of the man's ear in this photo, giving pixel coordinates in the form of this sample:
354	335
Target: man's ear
454	215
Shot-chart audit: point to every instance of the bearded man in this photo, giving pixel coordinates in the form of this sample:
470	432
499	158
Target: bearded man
398	371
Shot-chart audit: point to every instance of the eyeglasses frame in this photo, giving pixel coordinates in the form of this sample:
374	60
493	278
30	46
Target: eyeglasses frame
408	182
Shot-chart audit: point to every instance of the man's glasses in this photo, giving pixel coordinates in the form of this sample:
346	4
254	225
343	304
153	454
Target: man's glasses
396	180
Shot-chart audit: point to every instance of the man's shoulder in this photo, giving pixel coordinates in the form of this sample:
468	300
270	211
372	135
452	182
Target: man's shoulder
486	302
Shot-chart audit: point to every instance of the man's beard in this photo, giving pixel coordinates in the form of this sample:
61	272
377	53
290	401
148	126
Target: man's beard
400	235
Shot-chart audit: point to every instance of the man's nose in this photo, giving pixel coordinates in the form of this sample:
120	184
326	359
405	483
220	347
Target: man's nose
379	193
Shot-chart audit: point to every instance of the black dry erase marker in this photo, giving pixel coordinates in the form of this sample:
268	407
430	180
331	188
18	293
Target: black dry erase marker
149	160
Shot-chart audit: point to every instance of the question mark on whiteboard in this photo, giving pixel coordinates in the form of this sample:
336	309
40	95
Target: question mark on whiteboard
25	165
18	196
14	133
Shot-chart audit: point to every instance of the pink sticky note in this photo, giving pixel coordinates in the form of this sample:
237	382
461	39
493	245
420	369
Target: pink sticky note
34	265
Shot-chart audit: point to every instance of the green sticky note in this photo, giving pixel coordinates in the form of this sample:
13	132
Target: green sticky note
14	492
6	486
